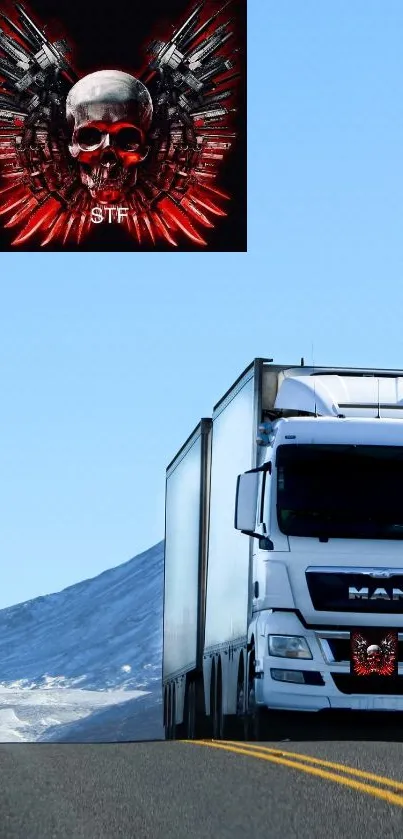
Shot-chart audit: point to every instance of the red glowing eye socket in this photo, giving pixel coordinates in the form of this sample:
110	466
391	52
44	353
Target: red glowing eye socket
128	139
89	137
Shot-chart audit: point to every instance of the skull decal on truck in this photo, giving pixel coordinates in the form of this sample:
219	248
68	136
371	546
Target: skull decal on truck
109	114
379	658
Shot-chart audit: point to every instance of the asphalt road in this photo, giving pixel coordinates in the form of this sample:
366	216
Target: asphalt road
210	789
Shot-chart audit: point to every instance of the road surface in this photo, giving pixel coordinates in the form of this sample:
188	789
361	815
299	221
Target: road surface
320	778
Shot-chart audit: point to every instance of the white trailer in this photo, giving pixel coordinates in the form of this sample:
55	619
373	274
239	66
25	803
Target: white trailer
282	539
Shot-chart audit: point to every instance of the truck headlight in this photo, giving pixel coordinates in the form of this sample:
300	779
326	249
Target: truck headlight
289	646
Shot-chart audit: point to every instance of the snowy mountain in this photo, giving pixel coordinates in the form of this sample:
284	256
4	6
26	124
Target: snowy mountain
85	663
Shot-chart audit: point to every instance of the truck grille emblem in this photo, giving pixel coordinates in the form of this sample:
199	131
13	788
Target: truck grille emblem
378	594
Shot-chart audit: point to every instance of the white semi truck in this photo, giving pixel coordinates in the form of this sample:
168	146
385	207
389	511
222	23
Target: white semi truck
284	536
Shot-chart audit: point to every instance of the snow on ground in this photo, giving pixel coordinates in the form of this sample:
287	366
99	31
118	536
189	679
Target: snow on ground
27	713
137	719
85	664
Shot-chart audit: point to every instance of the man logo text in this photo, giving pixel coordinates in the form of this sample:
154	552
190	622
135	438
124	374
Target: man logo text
378	594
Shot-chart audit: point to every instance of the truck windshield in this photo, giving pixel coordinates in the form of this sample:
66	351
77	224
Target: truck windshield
342	491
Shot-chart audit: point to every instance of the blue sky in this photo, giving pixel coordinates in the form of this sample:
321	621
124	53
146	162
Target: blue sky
108	361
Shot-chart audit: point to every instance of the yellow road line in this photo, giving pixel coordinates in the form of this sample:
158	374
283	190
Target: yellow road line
384	795
350	770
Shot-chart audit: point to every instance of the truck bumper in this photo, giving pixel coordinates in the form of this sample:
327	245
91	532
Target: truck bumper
327	680
294	701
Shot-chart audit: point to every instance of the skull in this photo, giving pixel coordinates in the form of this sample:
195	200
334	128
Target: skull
374	656
109	114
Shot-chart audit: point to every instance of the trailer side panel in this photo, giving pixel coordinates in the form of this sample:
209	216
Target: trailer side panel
185	548
228	554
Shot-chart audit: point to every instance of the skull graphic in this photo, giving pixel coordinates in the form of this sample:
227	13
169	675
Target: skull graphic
109	114
374	658
374	654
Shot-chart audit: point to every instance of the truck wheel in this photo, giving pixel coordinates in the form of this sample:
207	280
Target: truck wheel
232	726
259	726
258	719
225	725
241	728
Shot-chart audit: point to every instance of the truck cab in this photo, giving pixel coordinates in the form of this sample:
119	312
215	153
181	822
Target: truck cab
328	550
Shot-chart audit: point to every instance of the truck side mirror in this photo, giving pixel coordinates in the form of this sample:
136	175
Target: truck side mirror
247	488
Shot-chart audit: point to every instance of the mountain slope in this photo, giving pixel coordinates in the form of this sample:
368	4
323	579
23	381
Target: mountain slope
97	643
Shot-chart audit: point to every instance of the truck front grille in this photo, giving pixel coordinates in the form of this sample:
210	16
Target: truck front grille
359	590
